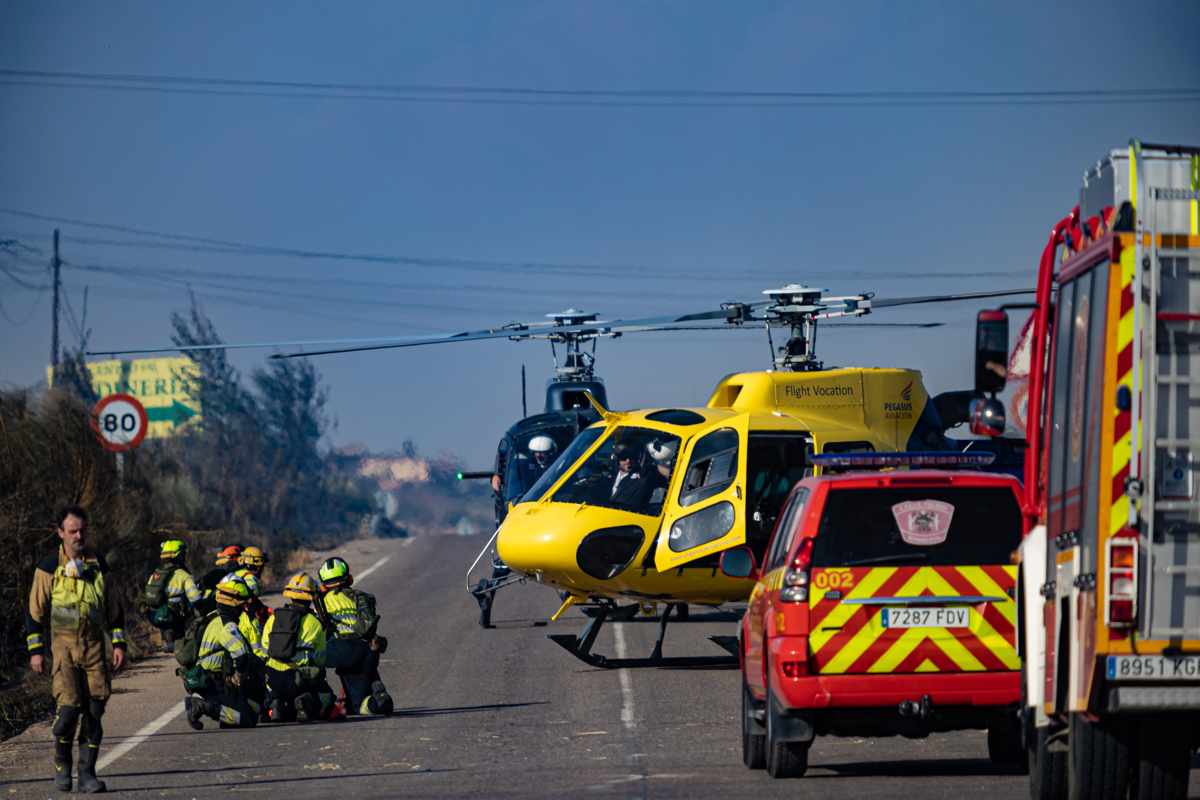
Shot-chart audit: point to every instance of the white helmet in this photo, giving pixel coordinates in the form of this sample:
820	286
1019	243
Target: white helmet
663	452
541	444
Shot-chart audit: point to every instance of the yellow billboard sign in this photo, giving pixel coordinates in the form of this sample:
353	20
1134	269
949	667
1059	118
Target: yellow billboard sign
159	383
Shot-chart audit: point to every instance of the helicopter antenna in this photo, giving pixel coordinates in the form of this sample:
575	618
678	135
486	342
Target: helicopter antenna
524	407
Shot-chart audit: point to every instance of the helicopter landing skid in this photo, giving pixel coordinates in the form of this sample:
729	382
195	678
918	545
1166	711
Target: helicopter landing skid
615	614
581	647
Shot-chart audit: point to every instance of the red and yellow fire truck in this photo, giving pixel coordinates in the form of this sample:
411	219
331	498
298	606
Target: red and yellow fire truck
1110	565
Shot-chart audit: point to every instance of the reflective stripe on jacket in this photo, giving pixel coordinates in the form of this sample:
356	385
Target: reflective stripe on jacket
72	606
181	588
221	640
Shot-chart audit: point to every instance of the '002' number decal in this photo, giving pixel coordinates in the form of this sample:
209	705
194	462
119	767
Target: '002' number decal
834	579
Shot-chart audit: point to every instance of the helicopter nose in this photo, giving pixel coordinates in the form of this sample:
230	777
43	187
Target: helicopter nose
535	549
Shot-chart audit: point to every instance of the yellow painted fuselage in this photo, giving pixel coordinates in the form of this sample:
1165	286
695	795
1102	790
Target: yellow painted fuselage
840	409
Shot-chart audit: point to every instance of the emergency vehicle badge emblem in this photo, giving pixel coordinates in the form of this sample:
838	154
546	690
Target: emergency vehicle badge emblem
923	522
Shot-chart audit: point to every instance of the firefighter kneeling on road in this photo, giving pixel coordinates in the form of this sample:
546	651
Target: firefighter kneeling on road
355	648
71	596
171	593
294	641
217	660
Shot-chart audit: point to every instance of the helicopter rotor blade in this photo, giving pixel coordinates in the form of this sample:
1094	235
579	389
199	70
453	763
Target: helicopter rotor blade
882	325
943	298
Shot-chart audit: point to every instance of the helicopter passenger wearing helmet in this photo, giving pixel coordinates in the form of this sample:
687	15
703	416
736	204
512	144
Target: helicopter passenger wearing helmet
524	470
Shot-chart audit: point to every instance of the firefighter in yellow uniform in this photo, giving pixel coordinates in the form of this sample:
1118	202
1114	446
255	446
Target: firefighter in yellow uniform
294	641
171	595
217	681
253	559
70	598
355	646
251	630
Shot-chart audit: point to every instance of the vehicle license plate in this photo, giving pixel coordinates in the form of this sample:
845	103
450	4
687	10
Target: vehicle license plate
926	617
1153	668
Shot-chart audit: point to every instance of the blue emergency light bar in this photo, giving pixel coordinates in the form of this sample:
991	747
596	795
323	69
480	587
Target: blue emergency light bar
931	458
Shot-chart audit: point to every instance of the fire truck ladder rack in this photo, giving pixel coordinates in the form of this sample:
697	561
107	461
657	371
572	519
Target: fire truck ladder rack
1169	500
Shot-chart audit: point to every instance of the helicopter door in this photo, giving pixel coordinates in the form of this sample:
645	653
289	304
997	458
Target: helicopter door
706	511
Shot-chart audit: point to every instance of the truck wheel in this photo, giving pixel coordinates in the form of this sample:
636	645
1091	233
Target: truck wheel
1005	748
784	759
1047	769
1164	761
1099	764
754	739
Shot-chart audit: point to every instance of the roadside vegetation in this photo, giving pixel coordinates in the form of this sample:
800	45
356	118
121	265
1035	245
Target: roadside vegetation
251	469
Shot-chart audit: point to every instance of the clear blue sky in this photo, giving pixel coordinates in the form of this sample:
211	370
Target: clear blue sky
686	206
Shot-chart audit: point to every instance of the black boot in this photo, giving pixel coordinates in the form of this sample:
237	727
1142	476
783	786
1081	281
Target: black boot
195	707
88	782
381	701
62	764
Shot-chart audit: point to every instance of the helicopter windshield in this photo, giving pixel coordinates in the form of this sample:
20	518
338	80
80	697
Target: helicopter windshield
578	447
629	471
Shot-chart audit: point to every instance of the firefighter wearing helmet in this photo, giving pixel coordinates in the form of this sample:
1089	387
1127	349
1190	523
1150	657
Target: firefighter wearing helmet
171	594
220	681
354	644
295	645
72	608
253	559
226	562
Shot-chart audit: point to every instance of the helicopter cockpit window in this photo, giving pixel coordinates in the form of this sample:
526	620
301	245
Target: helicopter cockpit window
533	452
569	456
629	471
713	467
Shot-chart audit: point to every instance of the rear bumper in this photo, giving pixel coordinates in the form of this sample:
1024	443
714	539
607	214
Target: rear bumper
816	692
1133	699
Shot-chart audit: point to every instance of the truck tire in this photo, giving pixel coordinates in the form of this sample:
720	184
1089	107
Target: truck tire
1164	761
784	759
1047	769
754	738
1100	759
1005	748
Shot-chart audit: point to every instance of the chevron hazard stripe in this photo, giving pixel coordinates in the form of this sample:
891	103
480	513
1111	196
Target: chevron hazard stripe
848	637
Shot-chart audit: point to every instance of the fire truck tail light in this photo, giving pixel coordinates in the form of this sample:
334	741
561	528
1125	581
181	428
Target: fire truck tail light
1121	605
1121	586
795	580
1120	612
1123	556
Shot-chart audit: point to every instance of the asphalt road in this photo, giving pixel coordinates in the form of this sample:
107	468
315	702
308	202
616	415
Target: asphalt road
498	713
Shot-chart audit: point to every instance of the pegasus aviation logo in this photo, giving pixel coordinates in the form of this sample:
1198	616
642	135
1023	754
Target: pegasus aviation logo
902	409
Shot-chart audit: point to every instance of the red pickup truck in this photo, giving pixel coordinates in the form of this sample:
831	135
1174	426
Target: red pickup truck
886	605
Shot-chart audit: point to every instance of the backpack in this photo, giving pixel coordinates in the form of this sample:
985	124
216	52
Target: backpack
155	594
285	633
187	649
367	619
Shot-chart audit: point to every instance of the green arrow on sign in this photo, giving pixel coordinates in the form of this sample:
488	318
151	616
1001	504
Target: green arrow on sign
176	413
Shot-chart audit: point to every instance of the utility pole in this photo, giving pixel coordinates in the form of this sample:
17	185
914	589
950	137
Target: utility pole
57	265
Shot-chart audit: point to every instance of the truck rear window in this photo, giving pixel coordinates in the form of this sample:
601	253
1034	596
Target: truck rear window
918	526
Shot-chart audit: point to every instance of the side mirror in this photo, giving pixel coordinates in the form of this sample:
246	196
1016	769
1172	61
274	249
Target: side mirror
991	351
987	417
737	563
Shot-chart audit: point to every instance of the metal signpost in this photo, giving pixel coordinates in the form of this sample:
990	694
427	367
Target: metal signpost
121	423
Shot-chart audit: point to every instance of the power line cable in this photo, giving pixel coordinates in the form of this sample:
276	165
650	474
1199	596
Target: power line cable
540	96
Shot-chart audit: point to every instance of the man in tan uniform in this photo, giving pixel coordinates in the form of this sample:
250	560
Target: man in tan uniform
70	604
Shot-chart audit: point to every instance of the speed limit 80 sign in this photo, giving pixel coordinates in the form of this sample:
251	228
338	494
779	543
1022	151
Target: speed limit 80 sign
120	421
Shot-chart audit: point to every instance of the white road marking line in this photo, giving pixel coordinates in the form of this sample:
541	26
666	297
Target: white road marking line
151	728
623	677
360	576
147	730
